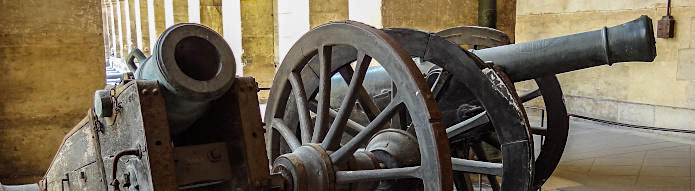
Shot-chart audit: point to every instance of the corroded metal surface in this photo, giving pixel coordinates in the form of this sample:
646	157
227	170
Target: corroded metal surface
194	66
628	42
135	145
128	145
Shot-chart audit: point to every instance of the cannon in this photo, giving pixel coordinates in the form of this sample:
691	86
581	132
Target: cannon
180	120
351	108
326	80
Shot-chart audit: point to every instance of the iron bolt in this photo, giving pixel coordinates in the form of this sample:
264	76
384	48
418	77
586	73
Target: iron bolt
103	103
214	156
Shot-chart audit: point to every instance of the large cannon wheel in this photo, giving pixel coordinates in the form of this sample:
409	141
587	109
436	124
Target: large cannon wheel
311	151
483	95
549	89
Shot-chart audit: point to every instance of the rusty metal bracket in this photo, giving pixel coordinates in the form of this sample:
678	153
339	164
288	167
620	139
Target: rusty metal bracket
114	169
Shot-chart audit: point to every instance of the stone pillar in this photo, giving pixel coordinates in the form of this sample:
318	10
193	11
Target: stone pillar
159	18
181	11
323	11
125	26
132	33
106	30
119	27
257	42
211	14
112	22
145	27
52	60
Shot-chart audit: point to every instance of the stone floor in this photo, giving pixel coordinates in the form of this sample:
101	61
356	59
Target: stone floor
599	157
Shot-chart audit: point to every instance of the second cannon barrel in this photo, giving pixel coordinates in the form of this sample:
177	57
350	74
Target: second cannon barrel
628	42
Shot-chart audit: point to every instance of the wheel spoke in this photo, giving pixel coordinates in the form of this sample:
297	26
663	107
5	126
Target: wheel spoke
363	97
290	138
335	133
478	167
357	127
383	117
305	123
396	119
467	124
324	96
346	177
530	95
350	123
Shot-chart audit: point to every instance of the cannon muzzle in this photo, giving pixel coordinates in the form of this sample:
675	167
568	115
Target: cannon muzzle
628	42
194	65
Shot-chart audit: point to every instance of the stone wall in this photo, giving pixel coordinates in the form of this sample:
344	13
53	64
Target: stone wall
437	15
661	93
52	60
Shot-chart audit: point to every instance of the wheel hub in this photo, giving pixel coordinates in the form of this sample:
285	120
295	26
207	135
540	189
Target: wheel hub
307	168
395	148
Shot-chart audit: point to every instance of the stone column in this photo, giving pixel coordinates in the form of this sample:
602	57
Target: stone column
159	18
52	61
119	27
125	44
211	14
181	11
112	22
145	22
323	11
257	42
132	33
106	24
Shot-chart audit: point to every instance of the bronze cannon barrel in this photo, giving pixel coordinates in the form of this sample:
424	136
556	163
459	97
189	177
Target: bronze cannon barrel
194	66
628	42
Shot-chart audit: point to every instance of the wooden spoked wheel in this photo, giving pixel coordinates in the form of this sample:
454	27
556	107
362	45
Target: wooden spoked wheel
556	131
475	100
310	150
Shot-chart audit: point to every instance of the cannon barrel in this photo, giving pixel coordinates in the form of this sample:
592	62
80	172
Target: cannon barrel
631	41
194	66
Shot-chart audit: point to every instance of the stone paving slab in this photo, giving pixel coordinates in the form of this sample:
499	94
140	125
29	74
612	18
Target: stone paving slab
601	157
